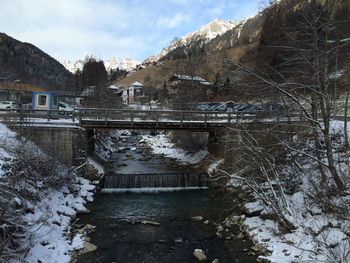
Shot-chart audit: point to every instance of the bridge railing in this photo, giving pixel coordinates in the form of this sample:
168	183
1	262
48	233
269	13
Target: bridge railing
163	116
30	116
132	116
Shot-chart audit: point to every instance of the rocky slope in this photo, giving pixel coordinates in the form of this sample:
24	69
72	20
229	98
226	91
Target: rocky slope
194	40
31	65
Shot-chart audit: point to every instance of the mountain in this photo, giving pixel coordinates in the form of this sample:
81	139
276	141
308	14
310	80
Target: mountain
73	66
126	64
254	41
31	65
205	34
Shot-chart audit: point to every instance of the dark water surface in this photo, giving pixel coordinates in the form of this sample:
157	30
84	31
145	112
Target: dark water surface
121	237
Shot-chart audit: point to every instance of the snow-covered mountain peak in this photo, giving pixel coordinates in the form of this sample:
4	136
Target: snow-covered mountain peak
127	64
211	30
73	66
205	33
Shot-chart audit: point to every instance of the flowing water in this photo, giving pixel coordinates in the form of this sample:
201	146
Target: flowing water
122	235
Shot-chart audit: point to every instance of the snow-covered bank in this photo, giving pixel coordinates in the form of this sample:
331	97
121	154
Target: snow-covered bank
39	200
320	216
51	222
160	144
318	237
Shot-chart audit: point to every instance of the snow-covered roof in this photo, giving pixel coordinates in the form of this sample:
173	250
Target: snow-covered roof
136	84
192	78
114	87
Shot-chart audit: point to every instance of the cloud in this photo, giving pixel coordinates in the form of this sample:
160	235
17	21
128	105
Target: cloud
174	21
69	29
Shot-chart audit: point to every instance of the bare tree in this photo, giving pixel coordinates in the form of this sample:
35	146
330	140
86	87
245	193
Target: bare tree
346	108
303	78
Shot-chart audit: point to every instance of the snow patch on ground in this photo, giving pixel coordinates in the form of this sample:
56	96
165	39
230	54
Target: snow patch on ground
214	166
51	241
48	220
318	237
99	168
160	144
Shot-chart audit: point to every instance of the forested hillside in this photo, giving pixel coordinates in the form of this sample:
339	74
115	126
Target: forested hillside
257	42
29	64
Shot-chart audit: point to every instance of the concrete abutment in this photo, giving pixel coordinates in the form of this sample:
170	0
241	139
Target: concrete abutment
67	145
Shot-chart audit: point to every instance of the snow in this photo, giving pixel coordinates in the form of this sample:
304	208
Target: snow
336	74
205	33
318	236
160	144
136	84
99	168
127	64
51	243
214	166
49	221
78	242
73	66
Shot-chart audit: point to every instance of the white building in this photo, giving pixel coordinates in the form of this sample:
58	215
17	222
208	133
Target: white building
134	92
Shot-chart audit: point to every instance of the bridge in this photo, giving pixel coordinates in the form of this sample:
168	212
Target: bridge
70	135
96	118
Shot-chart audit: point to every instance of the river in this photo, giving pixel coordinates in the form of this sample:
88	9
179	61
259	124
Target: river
121	234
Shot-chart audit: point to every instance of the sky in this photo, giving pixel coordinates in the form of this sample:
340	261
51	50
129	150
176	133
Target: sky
72	29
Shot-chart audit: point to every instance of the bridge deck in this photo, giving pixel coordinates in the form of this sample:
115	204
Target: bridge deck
134	119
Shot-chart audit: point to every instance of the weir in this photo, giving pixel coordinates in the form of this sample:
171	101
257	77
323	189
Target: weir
156	180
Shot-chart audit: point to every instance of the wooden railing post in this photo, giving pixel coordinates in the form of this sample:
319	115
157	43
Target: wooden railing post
80	113
205	119
182	118
106	118
132	118
229	117
48	115
157	118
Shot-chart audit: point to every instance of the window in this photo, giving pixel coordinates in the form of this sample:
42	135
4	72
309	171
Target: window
54	101
42	100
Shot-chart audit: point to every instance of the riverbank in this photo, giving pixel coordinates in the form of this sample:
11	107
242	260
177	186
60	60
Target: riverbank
39	200
319	217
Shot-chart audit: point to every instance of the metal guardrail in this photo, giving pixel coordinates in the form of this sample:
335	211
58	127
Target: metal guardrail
105	116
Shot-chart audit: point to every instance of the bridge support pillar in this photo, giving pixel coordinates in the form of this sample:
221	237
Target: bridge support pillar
216	143
90	140
64	144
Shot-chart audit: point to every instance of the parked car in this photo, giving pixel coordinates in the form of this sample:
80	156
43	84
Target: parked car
65	108
8	104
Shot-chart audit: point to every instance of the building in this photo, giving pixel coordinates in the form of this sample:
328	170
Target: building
136	92
133	94
196	84
177	80
21	93
45	101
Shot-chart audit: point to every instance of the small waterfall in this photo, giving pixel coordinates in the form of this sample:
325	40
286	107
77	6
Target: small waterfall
163	181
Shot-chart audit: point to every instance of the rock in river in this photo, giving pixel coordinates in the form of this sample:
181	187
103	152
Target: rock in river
88	247
199	254
152	223
197	218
